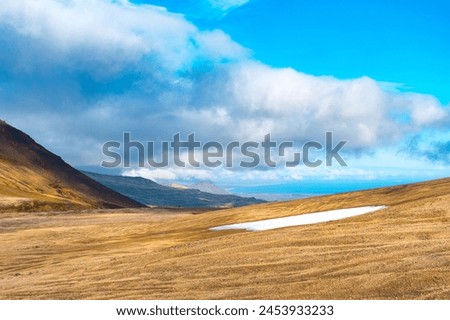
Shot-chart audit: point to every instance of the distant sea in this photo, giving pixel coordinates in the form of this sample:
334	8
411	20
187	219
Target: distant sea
311	188
293	190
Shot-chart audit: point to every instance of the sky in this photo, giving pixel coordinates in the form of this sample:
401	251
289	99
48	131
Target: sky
76	74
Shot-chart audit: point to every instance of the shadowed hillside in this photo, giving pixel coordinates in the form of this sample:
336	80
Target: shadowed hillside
34	179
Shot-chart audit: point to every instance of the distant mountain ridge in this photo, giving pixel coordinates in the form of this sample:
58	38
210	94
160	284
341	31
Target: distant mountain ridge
34	179
208	186
151	193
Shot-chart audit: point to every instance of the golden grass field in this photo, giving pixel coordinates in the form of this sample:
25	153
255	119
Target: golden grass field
402	252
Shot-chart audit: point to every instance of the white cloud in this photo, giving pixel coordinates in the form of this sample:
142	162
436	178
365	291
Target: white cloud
425	110
171	174
255	99
217	46
226	5
306	105
86	71
99	34
155	174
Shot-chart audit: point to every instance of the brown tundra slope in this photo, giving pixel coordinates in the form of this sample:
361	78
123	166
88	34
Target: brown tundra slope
34	179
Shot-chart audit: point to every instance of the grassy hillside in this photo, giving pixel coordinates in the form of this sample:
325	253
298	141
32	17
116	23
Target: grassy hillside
34	179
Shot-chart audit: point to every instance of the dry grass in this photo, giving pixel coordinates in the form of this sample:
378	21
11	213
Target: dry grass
402	252
38	180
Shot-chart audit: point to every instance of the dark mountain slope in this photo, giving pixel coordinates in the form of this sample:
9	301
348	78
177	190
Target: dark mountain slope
153	194
34	179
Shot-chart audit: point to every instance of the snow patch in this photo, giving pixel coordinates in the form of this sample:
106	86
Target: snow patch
299	220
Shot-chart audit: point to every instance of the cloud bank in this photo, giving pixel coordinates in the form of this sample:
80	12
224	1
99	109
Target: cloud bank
76	74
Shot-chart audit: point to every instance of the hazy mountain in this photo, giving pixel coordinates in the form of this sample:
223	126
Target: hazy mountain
208	186
34	179
153	194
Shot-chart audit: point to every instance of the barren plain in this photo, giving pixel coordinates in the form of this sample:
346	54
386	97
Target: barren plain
401	252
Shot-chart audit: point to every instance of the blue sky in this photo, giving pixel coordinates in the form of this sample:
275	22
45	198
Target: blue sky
393	41
76	74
